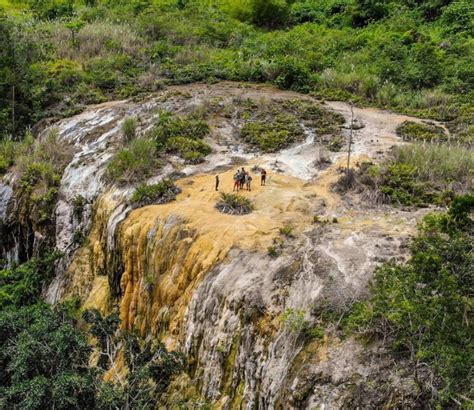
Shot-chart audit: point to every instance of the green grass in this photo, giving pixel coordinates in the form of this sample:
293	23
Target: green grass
405	59
415	175
159	193
287	230
134	163
234	204
129	127
414	131
444	166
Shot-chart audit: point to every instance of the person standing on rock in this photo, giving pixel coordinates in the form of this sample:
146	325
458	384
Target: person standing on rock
248	181
243	175
263	177
217	182
236	181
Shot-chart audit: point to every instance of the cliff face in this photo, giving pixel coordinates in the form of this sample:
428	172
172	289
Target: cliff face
203	281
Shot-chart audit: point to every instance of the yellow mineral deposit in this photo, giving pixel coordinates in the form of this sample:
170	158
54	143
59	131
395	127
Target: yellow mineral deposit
168	249
171	265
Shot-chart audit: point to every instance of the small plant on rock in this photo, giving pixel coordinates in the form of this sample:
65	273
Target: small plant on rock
234	204
160	193
273	251
413	131
78	204
129	128
287	230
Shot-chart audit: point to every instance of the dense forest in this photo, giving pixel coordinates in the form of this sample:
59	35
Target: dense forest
408	56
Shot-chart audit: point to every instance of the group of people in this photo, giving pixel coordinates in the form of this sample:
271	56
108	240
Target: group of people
242	177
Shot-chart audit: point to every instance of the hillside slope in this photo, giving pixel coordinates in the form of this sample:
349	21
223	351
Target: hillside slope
206	283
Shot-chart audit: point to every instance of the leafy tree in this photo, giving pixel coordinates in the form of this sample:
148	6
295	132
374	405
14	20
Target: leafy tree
150	366
423	306
44	360
22	285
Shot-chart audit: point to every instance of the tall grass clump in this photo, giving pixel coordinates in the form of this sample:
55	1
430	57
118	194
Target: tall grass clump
234	204
159	193
129	127
439	164
414	175
134	163
414	131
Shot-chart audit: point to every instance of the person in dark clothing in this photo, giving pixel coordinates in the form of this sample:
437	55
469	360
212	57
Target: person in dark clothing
243	174
217	182
263	177
248	181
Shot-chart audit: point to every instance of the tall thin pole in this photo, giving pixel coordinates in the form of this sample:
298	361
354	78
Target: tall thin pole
350	137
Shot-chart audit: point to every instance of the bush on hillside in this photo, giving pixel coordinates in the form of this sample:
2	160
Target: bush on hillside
421	308
234	204
159	193
129	127
182	136
134	163
414	131
414	175
271	136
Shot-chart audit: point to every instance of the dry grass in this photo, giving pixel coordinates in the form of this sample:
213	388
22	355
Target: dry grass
97	39
439	164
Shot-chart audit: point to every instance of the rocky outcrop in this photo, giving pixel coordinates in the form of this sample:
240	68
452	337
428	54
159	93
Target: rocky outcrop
204	282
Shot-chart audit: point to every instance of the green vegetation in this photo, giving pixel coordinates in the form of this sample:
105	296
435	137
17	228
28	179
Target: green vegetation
45	351
136	162
274	251
141	157
159	193
39	165
22	285
414	131
234	204
271	126
416	174
422	308
182	136
57	56
129	127
296	322
272	134
78	204
287	230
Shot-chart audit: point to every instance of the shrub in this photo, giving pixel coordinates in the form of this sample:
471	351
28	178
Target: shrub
415	174
334	143
182	136
274	251
272	134
234	204
287	231
414	131
129	127
159	193
420	307
22	285
175	126
191	150
78	205
134	163
292	74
